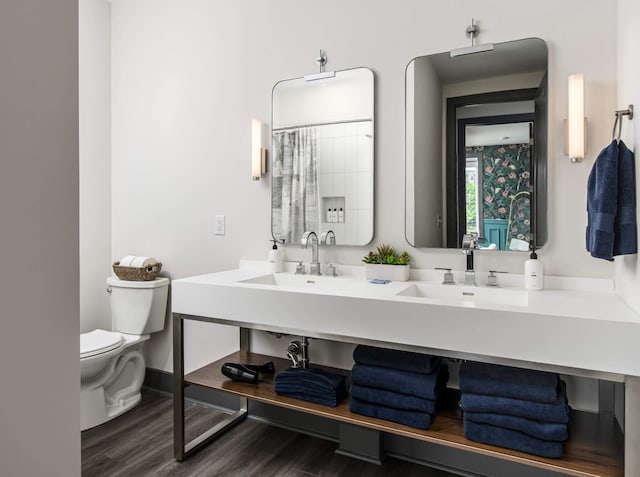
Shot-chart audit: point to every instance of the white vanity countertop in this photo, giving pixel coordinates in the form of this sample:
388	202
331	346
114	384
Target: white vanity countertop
574	325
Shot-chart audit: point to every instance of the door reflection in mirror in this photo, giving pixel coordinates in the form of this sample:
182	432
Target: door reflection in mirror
441	93
497	162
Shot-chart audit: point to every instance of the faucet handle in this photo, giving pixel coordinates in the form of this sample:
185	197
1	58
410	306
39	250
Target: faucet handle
331	270
300	269
448	276
492	279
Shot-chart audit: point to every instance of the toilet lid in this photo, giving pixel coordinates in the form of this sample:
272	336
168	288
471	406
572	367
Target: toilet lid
99	341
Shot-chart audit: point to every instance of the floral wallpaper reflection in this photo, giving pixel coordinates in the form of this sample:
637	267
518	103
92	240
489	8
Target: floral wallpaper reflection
505	173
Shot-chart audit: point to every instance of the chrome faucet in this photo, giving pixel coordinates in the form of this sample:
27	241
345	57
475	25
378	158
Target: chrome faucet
329	238
314	266
469	243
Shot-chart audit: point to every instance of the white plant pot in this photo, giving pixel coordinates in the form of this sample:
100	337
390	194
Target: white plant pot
395	273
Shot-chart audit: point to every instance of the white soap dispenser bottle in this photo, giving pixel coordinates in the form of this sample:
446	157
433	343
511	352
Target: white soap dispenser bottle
275	258
533	273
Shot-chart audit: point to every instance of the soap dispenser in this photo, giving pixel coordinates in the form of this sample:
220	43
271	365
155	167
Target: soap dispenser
275	258
533	273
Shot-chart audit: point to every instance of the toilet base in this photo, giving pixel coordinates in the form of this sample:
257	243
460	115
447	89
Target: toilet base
94	411
108	398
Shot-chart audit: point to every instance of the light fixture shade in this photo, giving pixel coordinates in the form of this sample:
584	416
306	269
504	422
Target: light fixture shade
258	153
469	50
576	118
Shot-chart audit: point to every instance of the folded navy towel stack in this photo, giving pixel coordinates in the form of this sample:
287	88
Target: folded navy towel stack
397	386
519	409
311	384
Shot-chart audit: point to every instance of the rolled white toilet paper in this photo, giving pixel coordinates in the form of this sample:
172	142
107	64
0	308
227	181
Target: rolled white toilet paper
126	260
143	262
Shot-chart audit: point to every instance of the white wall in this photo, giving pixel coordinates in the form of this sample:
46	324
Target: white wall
39	366
627	269
95	162
187	77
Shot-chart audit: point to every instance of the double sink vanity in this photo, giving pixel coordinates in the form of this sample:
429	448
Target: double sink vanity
575	327
475	162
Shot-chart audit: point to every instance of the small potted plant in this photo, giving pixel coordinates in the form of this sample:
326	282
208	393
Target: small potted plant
386	264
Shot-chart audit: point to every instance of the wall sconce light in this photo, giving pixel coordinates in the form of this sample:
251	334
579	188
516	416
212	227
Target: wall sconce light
258	153
576	125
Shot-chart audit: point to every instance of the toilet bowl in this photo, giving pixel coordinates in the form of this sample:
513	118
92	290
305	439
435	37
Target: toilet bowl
112	365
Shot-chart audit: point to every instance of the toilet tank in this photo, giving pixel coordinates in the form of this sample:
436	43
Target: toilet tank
138	308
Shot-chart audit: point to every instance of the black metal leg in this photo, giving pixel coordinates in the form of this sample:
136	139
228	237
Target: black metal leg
182	449
178	387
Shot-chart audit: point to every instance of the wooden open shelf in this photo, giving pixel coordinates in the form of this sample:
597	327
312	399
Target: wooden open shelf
595	445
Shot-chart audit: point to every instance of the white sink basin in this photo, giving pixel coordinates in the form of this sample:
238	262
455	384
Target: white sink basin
285	279
290	280
467	294
428	292
321	284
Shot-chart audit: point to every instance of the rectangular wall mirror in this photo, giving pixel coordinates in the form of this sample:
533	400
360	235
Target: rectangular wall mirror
323	156
476	147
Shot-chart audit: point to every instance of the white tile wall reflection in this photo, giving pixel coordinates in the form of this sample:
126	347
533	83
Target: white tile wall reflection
344	174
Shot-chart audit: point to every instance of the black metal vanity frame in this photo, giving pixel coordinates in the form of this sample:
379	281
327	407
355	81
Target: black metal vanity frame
183	449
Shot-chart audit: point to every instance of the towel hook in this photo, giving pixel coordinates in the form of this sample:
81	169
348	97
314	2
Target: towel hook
618	122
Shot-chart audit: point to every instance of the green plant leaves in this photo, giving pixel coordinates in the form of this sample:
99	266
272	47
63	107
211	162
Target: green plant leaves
387	255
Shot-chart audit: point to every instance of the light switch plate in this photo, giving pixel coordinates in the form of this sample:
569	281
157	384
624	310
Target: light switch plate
219	224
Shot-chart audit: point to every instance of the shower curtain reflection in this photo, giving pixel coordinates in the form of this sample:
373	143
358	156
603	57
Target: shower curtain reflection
295	183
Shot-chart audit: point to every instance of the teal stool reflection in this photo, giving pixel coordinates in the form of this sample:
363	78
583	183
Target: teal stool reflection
495	231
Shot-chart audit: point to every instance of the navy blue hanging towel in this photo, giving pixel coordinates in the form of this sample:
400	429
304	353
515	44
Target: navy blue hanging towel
624	227
602	203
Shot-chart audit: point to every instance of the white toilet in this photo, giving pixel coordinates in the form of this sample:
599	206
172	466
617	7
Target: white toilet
111	362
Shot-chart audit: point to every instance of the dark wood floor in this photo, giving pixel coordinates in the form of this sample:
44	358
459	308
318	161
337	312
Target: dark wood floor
140	443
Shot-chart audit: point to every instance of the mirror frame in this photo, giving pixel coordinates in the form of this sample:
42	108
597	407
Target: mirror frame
358	203
451	174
